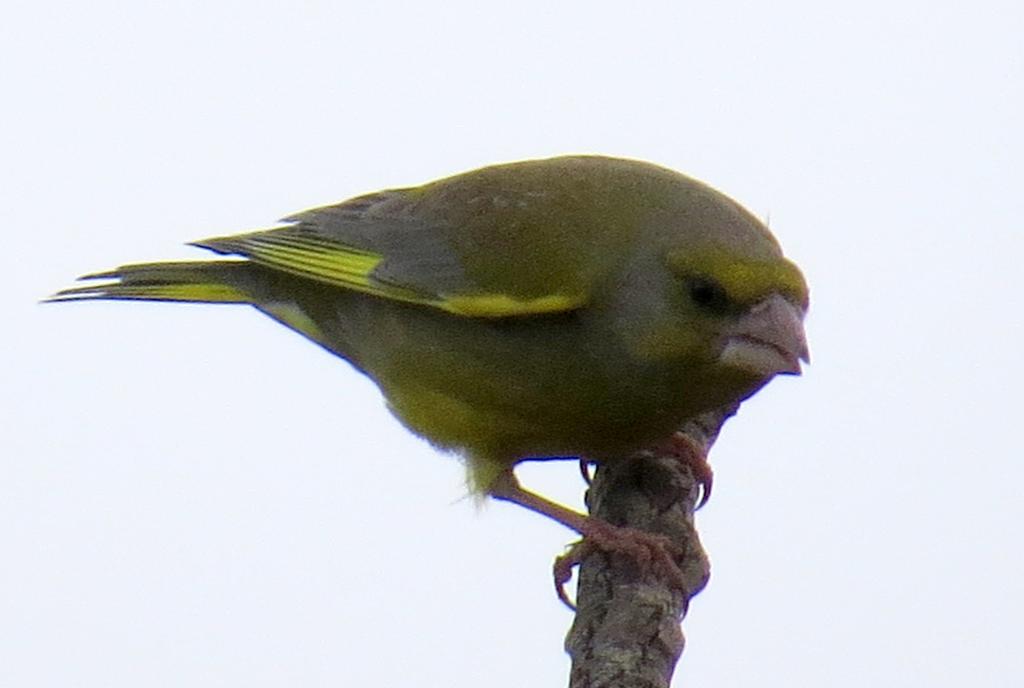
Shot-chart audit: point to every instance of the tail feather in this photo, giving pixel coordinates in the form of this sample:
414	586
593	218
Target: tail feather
226	281
198	282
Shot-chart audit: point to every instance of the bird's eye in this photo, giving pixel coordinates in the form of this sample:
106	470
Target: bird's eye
708	294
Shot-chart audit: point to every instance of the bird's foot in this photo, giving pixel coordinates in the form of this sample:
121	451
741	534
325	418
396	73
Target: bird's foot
690	454
652	553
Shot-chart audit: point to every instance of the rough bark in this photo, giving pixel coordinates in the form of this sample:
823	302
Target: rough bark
627	629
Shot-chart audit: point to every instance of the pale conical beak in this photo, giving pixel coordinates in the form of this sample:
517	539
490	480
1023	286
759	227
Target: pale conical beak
767	340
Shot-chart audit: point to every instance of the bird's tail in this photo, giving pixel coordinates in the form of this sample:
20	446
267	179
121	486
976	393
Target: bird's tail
224	281
199	282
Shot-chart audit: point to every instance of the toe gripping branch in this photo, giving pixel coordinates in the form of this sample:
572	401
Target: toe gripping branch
640	559
627	625
645	524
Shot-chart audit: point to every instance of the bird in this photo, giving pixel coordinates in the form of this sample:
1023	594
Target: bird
575	306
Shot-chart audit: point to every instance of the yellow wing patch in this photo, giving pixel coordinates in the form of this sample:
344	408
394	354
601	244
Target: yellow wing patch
308	257
351	268
499	305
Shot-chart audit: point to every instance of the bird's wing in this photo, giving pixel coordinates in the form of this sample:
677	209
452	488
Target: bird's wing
376	245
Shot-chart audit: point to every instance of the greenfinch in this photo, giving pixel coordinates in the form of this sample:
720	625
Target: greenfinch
566	307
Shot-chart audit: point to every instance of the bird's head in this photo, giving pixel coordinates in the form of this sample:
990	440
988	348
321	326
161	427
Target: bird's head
750	310
711	295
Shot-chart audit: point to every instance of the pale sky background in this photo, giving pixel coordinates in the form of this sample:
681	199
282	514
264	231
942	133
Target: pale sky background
195	496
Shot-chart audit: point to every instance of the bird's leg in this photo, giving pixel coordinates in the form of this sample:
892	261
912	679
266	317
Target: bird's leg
692	455
507	488
648	550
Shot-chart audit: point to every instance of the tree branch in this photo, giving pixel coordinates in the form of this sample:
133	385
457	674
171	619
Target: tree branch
626	633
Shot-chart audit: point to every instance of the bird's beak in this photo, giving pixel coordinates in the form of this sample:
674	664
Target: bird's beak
768	340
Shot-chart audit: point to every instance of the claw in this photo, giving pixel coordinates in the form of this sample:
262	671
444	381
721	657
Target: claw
652	553
693	456
585	471
562	570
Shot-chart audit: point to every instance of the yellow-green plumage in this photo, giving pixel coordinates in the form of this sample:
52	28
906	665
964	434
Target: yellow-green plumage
571	306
